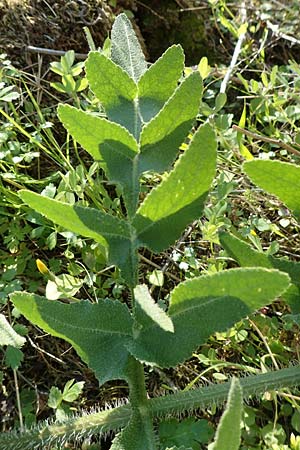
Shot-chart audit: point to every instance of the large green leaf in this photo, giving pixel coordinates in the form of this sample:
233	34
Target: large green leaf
125	48
179	199
8	336
109	142
161	138
92	132
115	90
98	331
246	256
92	223
228	435
202	306
159	82
242	252
279	178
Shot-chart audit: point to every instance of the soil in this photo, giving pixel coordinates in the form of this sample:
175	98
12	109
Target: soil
58	25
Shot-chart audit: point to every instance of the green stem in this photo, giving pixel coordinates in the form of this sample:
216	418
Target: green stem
141	424
117	418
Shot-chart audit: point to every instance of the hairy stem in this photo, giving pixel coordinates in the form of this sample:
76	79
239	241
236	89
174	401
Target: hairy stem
115	419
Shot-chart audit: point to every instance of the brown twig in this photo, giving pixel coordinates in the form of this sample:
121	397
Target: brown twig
282	144
148	261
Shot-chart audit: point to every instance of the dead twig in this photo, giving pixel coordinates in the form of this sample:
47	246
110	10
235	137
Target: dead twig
259	137
236	52
49	51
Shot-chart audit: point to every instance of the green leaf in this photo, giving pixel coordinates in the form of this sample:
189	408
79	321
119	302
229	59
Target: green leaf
92	132
151	309
161	138
278	178
242	252
55	397
246	256
179	199
204	305
8	94
228	435
187	433
220	101
68	59
63	286
159	82
89	222
203	67
72	390
8	336
59	87
77	69
125	48
56	67
156	277
13	357
110	143
122	170
81	84
115	90
178	448
98	332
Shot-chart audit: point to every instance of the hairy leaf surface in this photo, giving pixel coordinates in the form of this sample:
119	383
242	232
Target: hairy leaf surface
246	256
159	82
204	305
151	309
161	138
115	90
180	197
126	50
134	436
98	331
110	143
228	435
8	336
278	178
92	223
92	132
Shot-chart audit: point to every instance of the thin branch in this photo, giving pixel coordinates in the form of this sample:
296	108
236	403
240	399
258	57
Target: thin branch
18	400
44	351
277	32
153	264
265	342
282	144
236	52
49	51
